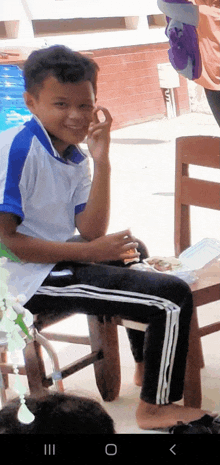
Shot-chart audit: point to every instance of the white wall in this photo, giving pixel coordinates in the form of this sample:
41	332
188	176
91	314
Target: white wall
19	17
41	9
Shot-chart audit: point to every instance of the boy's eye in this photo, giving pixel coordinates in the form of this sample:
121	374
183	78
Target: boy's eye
60	104
87	106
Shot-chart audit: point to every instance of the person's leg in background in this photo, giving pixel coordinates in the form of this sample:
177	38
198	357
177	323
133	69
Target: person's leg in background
213	97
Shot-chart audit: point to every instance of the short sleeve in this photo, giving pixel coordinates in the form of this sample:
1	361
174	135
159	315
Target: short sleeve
12	159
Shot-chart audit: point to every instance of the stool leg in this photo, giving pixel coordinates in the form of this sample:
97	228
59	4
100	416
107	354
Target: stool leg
3	358
104	337
34	368
44	342
2	391
192	385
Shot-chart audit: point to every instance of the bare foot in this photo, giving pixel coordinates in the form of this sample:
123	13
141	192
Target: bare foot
150	416
139	373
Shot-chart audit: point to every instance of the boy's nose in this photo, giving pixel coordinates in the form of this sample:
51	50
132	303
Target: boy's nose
75	114
76	118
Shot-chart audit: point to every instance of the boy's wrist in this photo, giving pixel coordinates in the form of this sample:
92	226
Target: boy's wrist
102	164
81	252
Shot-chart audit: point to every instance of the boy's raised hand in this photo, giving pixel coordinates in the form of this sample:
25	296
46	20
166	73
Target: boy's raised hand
98	139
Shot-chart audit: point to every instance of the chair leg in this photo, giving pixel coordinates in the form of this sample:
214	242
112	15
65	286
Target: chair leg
41	341
2	391
192	385
201	357
3	359
104	337
34	368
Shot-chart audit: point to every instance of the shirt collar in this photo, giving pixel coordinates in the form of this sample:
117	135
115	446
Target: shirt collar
73	154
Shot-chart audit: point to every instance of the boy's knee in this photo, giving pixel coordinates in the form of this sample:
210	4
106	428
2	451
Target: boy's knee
184	292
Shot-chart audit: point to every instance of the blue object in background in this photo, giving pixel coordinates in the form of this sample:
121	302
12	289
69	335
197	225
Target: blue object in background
13	111
10	71
12	117
11	98
8	82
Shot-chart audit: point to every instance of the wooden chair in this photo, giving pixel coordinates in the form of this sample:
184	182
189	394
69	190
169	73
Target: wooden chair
200	151
103	340
103	337
8	368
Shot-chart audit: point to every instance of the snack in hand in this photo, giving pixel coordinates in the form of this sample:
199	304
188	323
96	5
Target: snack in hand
130	260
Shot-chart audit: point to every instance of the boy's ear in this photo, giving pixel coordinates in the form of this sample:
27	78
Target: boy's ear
29	100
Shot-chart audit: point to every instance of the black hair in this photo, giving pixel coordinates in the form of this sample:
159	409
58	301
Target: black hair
62	63
57	413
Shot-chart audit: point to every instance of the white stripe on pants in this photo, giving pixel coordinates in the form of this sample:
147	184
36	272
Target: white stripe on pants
171	326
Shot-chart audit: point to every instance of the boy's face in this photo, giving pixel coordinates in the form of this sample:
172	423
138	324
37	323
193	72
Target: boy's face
65	110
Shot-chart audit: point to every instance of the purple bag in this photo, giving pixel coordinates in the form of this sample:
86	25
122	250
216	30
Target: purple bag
182	19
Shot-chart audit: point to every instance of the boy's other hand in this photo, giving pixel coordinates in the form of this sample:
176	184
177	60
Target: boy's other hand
113	247
98	139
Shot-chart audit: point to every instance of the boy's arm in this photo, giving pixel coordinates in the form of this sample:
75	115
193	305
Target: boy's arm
93	221
29	249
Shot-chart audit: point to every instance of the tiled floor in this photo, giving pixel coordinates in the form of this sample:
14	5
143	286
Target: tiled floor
143	160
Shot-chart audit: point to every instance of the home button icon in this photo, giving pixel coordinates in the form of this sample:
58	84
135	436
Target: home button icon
111	449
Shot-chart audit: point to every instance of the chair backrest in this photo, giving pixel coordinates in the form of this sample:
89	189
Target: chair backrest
193	150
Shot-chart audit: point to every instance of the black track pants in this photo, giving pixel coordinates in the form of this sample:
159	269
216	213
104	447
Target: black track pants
161	301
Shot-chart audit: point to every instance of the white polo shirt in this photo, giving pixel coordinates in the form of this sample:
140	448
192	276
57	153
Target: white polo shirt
44	190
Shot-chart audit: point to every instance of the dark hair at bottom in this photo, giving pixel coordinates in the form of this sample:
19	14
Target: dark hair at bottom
62	63
57	413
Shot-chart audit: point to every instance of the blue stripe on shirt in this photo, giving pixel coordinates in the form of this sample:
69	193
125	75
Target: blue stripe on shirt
17	155
72	152
74	155
80	208
36	129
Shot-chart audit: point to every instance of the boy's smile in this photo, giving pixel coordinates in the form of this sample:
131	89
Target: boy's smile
64	109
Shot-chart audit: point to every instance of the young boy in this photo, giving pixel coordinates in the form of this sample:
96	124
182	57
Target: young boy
46	192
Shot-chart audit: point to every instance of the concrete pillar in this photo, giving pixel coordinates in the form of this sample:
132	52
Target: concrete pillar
136	22
131	22
11	28
25	29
